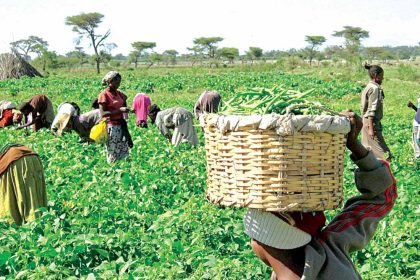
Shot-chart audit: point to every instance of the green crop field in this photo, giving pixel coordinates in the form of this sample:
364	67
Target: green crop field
147	217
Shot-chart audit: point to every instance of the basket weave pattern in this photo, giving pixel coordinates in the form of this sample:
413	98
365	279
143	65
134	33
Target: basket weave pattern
260	169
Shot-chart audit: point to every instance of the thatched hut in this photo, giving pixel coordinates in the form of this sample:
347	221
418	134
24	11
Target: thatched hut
14	66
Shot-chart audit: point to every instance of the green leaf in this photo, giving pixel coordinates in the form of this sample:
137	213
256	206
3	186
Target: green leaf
4	257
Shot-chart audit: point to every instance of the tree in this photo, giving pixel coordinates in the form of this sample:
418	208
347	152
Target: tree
169	56
228	53
154	58
254	53
78	56
208	45
31	45
195	55
85	25
372	53
334	53
46	57
352	36
140	49
314	43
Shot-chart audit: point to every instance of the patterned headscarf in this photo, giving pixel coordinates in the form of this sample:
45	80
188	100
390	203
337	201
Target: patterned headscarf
109	77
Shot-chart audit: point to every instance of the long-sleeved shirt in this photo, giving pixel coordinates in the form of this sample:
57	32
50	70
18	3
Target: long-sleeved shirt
164	121
43	107
179	119
327	255
372	100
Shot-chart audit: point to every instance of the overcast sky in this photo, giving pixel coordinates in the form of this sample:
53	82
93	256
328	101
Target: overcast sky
173	24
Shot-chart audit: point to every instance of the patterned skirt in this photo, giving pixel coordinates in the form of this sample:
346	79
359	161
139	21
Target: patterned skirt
117	145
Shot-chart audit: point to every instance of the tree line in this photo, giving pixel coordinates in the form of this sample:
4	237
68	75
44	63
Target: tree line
204	50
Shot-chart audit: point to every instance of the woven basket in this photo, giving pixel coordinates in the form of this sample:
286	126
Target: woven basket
258	168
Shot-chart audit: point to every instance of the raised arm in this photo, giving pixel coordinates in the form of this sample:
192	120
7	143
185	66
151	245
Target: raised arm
355	226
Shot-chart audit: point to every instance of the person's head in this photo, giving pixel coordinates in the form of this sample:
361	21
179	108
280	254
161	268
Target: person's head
112	80
376	73
25	108
153	111
61	124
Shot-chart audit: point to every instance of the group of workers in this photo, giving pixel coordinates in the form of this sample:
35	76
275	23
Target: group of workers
111	104
296	245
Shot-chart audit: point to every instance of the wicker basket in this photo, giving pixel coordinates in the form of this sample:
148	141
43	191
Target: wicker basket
262	169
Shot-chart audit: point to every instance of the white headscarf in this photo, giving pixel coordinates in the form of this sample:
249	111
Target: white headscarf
109	77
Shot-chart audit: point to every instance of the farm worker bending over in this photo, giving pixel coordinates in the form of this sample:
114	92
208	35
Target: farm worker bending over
64	112
22	184
372	99
416	127
113	106
8	114
176	118
141	104
82	124
208	102
297	246
38	112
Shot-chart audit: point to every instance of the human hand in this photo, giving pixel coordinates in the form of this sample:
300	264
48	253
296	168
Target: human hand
410	104
356	125
124	110
352	142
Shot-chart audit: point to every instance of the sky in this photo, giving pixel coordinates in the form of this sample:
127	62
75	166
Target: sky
174	24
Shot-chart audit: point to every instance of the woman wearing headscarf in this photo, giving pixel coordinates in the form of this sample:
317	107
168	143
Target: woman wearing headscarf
113	106
141	104
8	114
22	184
82	124
38	112
179	119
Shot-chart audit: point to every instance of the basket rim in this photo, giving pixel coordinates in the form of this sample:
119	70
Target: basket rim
283	124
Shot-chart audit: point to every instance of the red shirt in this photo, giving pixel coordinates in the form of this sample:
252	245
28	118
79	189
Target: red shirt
7	118
112	102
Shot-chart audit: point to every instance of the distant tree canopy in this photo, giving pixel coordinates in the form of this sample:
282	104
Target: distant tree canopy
228	53
352	36
207	45
140	49
33	44
85	25
314	43
169	56
254	53
205	50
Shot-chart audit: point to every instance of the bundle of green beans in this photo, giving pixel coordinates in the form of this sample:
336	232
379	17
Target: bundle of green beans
264	101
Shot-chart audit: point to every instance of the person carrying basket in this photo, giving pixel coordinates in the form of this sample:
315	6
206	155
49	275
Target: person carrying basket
298	246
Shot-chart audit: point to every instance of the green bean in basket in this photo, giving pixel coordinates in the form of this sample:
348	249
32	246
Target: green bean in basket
265	101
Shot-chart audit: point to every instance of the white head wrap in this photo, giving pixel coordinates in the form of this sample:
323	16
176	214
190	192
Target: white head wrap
109	77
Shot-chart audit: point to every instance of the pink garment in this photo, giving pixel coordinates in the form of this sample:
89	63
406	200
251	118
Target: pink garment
141	104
